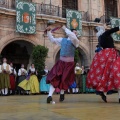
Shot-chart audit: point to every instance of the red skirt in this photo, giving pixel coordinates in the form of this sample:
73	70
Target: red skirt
101	76
116	74
12	82
61	75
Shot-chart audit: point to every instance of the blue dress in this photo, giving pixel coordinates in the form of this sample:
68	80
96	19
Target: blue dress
43	86
73	85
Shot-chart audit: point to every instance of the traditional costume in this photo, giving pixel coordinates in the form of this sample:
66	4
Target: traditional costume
22	73
62	74
73	87
78	77
43	86
13	80
5	70
100	76
31	82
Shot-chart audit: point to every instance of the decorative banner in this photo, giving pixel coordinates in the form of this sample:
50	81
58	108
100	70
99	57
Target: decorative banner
25	17
74	20
115	22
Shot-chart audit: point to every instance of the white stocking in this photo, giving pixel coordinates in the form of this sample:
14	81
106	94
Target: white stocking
73	90
6	91
69	90
62	92
3	91
51	91
77	89
105	93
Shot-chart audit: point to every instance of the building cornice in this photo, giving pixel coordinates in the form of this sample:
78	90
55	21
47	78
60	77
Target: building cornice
10	12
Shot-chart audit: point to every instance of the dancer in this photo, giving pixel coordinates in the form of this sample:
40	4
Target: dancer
100	76
5	70
62	74
43	86
22	73
31	82
12	79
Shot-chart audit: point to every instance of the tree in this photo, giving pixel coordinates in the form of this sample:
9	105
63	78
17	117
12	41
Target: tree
39	55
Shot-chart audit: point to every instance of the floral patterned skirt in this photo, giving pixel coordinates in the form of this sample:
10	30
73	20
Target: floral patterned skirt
101	75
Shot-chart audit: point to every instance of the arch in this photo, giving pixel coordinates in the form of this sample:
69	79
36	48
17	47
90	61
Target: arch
14	37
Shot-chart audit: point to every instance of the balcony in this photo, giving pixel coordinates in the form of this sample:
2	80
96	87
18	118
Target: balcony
46	9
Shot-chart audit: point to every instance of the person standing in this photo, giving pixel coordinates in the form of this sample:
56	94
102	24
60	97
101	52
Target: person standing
22	73
78	72
62	74
31	82
5	70
43	86
12	79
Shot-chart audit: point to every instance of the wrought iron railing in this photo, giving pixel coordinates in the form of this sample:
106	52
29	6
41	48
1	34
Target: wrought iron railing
44	9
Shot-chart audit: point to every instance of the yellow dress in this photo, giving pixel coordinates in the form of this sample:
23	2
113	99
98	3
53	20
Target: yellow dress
32	84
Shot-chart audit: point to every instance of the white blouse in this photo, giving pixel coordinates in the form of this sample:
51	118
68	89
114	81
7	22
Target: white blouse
21	70
71	36
14	72
4	67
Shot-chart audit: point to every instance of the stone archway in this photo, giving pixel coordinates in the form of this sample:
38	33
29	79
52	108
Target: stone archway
16	37
18	52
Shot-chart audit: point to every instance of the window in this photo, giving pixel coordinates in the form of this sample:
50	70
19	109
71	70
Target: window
110	8
70	4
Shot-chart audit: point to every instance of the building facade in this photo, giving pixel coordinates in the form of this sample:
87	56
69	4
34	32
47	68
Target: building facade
18	47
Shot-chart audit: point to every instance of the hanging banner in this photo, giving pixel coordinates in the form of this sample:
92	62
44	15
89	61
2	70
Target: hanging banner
74	20
25	17
115	22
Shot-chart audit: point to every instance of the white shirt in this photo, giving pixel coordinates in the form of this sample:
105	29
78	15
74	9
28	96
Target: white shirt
14	72
32	69
21	71
71	36
4	67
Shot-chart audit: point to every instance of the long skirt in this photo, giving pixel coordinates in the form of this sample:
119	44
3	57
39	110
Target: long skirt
100	76
61	75
43	86
74	85
20	79
32	84
4	80
12	82
116	74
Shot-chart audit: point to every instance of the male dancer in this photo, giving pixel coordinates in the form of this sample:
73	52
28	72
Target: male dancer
62	74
